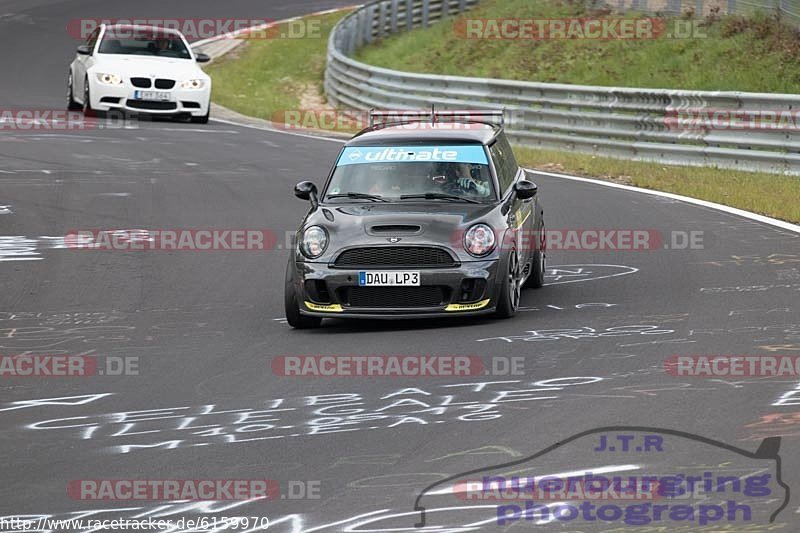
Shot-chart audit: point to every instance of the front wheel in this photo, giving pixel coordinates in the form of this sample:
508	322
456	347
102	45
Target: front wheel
202	119
536	279
292	305
72	105
511	288
87	100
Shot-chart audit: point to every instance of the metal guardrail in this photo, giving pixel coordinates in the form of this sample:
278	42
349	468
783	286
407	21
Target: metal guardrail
630	123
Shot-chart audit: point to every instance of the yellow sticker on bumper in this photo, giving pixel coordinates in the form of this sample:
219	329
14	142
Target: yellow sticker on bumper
328	308
467	307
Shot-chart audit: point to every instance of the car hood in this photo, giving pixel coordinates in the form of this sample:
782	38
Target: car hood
453	213
406	223
147	67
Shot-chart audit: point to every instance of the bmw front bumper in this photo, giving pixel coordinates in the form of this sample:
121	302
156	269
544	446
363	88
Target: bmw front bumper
121	97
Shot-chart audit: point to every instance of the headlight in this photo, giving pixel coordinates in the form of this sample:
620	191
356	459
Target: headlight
479	240
314	242
109	79
193	84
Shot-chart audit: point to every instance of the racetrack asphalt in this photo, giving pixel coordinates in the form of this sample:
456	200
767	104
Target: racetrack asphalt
205	326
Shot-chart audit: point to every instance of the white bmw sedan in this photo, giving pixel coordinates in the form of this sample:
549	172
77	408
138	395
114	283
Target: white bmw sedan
139	69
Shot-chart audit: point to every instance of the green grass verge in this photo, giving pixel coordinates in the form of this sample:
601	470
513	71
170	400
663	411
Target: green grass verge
755	54
272	75
772	195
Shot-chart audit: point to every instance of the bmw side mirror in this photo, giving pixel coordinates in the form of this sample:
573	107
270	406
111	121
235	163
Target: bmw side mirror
306	190
84	50
202	58
525	189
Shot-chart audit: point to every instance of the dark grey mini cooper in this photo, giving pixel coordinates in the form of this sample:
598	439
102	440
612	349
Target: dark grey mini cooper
418	218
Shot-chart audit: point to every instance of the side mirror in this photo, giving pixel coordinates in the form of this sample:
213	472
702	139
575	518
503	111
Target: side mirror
525	189
84	50
202	58
306	190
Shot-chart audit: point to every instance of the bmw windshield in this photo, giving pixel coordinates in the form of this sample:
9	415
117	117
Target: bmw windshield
406	173
143	42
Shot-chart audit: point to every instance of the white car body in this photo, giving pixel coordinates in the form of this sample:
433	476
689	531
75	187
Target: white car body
151	97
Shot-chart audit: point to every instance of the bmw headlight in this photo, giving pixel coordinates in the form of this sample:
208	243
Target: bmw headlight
314	242
193	84
109	79
479	240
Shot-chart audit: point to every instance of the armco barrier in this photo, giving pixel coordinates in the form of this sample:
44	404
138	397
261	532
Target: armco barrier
630	123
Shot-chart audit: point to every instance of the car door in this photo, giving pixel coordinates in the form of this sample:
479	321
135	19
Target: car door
83	63
521	215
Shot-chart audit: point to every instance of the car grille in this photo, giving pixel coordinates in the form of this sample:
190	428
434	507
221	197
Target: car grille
164	84
393	297
142	83
395	256
153	106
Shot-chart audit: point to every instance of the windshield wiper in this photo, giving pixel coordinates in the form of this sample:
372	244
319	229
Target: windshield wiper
360	196
438	196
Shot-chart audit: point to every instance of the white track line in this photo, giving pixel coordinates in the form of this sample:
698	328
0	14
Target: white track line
711	205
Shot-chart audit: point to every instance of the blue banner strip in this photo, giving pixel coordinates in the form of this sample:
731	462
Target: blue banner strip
360	155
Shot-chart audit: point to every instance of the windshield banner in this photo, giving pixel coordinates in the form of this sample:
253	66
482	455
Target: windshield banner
359	155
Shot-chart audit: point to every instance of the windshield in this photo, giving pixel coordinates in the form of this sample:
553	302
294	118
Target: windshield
144	43
403	172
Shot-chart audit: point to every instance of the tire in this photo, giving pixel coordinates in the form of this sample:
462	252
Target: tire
87	101
72	105
511	288
536	279
203	119
292	306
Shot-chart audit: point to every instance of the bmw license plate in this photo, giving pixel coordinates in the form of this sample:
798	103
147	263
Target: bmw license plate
388	279
158	96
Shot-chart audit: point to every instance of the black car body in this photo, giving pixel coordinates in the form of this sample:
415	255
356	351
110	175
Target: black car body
371	253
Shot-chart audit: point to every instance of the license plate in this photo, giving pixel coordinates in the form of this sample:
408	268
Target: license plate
158	96
388	279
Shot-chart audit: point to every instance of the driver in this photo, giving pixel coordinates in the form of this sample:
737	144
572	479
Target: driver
163	44
457	178
468	183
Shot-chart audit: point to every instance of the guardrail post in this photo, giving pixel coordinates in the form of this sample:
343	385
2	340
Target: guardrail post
462	5
369	20
352	35
393	14
381	19
409	14
426	8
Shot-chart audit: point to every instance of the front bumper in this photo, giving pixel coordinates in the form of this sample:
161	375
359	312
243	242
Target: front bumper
121	97
337	300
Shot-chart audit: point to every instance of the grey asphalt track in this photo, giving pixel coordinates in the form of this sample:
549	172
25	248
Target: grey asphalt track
205	326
